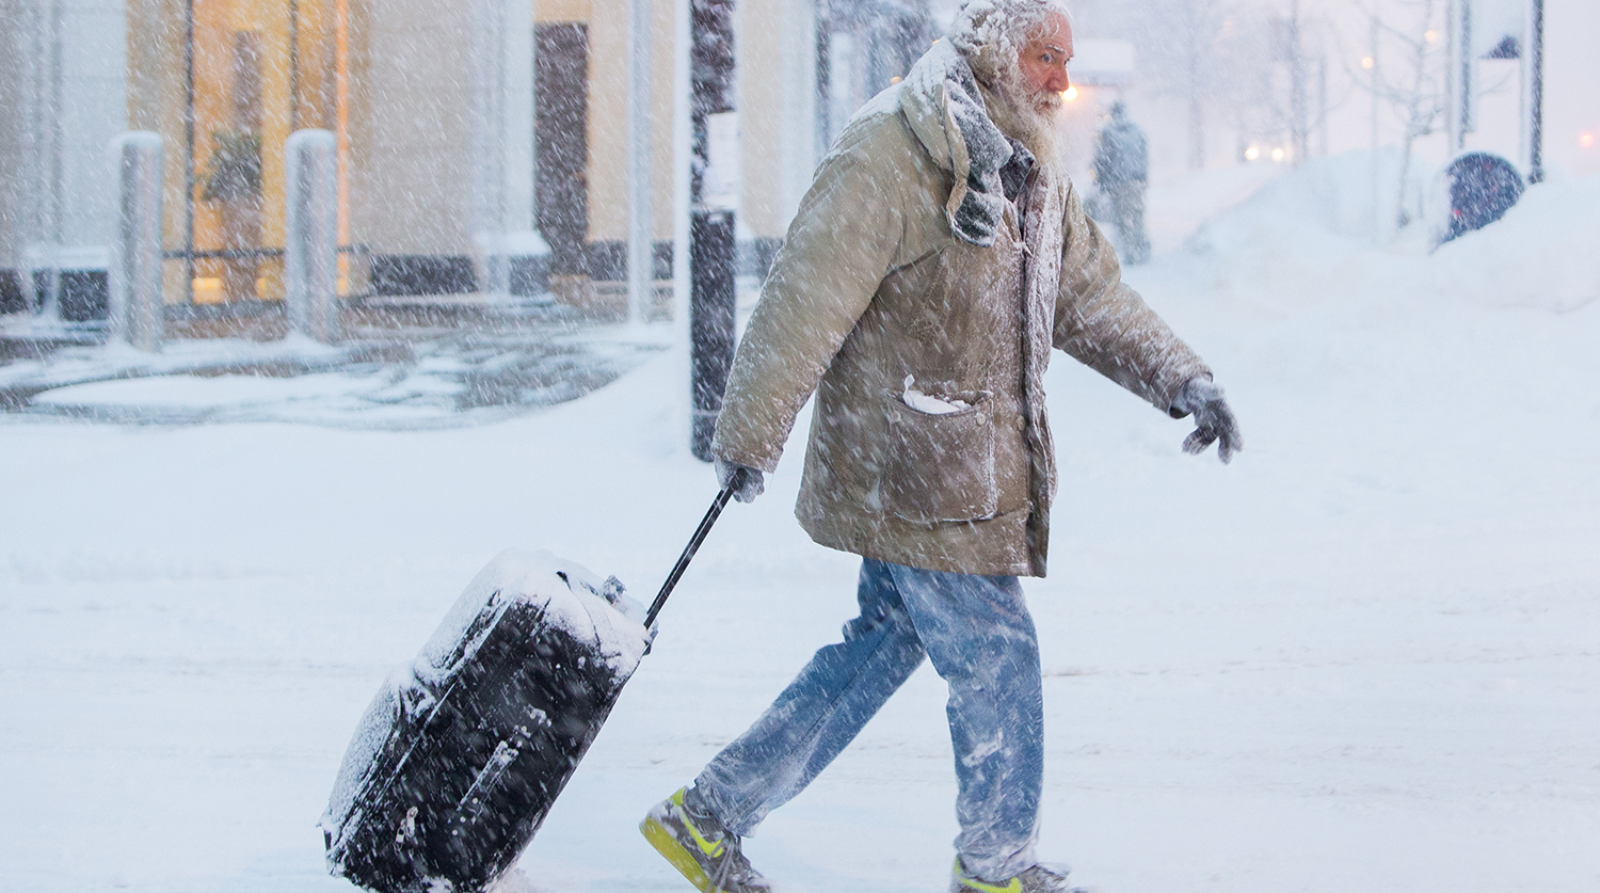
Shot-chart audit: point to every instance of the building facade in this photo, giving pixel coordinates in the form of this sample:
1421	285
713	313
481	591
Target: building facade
482	145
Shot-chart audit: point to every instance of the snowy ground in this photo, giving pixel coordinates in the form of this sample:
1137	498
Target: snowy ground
1366	656
474	371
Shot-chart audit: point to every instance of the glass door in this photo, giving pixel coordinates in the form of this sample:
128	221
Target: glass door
255	71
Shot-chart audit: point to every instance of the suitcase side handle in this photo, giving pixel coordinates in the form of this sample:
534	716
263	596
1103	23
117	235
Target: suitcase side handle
717	505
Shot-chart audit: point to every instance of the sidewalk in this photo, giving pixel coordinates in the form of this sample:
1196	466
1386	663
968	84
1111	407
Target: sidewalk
400	365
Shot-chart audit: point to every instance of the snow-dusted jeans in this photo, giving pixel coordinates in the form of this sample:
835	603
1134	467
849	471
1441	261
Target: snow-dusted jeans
978	633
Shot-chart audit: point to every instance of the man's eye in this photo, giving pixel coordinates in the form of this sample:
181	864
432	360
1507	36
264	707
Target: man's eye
1047	59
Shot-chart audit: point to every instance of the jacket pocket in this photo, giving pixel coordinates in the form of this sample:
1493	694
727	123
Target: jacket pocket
940	467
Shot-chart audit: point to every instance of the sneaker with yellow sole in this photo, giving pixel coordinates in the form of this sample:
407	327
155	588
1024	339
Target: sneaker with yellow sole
700	848
1041	878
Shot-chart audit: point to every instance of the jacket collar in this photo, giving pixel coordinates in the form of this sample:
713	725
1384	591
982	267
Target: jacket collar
949	113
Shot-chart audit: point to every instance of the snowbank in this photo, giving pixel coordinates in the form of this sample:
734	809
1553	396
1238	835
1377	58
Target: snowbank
1311	230
1177	206
1544	254
1325	205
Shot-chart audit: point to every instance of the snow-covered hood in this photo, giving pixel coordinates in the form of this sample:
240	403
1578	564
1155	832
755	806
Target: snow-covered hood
941	101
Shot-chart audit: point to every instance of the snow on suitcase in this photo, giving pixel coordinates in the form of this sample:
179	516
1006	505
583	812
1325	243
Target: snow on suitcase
460	756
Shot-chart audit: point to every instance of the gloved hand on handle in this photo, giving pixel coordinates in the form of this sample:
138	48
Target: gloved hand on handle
748	487
1213	419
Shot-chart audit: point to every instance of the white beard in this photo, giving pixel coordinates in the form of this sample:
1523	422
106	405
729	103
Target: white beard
1033	116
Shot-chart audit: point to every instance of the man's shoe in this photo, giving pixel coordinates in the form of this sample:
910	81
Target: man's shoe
1041	878
700	848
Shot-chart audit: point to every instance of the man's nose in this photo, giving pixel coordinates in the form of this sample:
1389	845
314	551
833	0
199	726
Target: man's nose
1059	82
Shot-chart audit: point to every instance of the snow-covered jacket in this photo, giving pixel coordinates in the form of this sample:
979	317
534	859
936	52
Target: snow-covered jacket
929	445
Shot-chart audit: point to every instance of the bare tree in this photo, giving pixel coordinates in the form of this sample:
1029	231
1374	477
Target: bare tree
1409	75
1201	25
1180	43
1278	93
1299	98
1290	45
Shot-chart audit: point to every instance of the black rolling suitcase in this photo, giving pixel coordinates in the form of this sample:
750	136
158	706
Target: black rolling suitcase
461	754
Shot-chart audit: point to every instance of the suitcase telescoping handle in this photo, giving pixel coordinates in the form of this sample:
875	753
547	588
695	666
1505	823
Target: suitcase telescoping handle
717	505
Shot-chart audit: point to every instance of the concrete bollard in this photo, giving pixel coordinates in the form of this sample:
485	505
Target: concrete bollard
311	234
135	311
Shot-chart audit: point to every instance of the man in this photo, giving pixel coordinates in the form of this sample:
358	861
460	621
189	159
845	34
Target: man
937	257
1122	168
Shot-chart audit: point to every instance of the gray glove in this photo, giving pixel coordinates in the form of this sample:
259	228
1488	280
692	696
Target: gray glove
747	483
1213	419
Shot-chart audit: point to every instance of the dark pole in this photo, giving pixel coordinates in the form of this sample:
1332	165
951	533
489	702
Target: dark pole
1468	82
1536	95
57	141
711	230
717	505
188	152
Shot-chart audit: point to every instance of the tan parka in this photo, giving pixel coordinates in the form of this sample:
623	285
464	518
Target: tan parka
872	295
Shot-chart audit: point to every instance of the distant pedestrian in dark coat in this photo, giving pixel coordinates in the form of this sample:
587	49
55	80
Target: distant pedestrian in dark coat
1122	168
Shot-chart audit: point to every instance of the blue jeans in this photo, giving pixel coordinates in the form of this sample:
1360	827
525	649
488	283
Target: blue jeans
978	633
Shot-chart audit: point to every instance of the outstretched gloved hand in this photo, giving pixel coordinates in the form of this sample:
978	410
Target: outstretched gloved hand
1213	419
747	482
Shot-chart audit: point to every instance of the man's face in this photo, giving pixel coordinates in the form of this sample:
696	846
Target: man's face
1043	62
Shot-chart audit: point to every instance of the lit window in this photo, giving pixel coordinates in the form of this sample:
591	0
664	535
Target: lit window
1069	94
1252	153
1586	140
